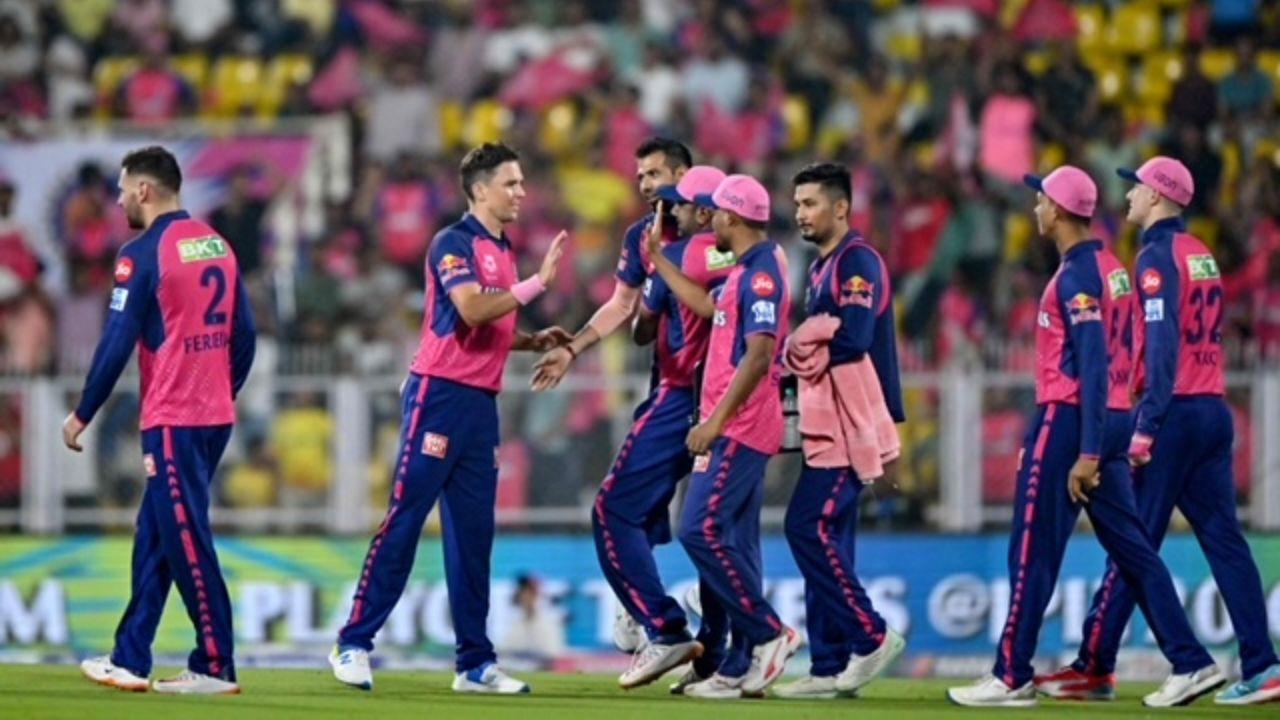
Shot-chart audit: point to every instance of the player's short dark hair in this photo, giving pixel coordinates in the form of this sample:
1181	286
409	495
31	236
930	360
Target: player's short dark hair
832	178
479	164
675	152
157	163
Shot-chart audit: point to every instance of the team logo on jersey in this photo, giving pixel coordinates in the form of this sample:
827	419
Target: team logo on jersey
1118	280
124	270
490	264
1043	320
857	291
1084	308
765	311
717	260
762	284
437	446
1154	309
451	266
209	247
702	463
119	298
1202	267
1151	281
149	464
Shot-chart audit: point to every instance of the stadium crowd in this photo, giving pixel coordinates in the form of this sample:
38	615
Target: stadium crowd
939	107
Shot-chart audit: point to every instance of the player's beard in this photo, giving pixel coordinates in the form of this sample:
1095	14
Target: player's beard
133	214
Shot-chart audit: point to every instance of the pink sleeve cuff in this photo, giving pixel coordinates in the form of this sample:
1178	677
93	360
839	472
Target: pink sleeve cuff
527	290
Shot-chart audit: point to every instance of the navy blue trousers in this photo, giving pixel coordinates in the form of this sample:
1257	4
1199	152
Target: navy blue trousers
1043	519
1190	469
720	529
449	442
173	544
630	514
821	528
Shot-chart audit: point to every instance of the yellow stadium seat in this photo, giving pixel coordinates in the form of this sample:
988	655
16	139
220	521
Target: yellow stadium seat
1135	28
1269	63
886	5
1158	74
1037	61
1205	228
904	46
107	76
236	84
284	72
797	125
1112	76
1017	236
486	122
1051	156
556	131
1217	63
1092	22
193	67
452	121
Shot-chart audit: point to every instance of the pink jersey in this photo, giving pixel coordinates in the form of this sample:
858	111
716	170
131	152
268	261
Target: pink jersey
755	299
682	335
466	253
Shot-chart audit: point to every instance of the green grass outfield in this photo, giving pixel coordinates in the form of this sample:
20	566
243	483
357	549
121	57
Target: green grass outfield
38	692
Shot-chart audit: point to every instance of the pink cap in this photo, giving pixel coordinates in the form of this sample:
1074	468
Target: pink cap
743	196
1165	175
697	180
1070	187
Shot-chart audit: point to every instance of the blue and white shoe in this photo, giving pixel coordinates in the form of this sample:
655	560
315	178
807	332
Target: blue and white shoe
488	679
1261	688
351	667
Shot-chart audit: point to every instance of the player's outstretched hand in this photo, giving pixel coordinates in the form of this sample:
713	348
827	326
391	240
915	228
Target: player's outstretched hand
701	438
551	369
1083	479
550	338
71	429
551	260
653	238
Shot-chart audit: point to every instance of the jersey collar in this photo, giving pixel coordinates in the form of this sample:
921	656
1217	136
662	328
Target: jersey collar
1088	246
760	247
477	228
1163	228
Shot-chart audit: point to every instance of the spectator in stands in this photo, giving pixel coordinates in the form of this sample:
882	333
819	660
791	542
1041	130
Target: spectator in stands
155	94
406	214
145	23
1066	96
1247	92
714	76
241	220
878	98
1190	146
71	97
1195	96
199	22
19	41
536	631
659	86
1006	130
404	114
26	312
92	227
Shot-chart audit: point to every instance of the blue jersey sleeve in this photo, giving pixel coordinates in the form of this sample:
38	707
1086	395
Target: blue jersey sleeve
244	339
631	270
1080	297
451	260
133	299
760	298
1158	287
656	294
860	292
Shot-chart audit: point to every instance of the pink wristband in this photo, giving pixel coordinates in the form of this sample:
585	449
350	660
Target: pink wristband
528	289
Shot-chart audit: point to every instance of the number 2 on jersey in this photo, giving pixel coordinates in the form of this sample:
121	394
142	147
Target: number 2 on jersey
218	279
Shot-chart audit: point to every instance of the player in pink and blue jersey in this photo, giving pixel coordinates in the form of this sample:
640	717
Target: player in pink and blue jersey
1075	454
740	428
178	297
1182	441
449	434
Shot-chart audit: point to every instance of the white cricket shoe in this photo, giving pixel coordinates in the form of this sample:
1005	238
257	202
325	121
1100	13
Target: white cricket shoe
1185	689
104	672
768	661
716	687
628	635
655	659
351	667
810	687
689	677
488	679
992	692
193	683
862	669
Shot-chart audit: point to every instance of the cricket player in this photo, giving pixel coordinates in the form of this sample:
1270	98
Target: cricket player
179	298
1181	445
449	435
741	427
1075	454
850	644
660	162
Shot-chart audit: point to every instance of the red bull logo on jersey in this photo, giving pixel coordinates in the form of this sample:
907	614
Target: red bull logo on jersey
857	291
124	270
209	247
1118	282
1084	308
762	284
1202	267
451	266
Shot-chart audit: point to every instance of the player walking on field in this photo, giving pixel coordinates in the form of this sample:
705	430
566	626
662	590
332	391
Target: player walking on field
178	297
1181	445
449	433
1075	454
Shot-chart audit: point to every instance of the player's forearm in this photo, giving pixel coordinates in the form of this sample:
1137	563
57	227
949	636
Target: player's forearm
109	360
688	292
1162	364
482	308
610	316
751	370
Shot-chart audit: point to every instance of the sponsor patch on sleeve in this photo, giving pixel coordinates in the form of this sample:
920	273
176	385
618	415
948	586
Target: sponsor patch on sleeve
1154	308
1118	281
124	270
857	291
452	266
1084	308
1151	281
764	311
762	284
119	298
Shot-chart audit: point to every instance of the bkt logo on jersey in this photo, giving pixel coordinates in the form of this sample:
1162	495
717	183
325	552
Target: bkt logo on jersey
1084	308
1202	267
857	291
1119	283
717	260
209	247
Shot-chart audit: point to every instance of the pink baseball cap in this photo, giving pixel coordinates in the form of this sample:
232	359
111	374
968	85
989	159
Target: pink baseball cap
1165	175
741	195
1070	187
697	180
